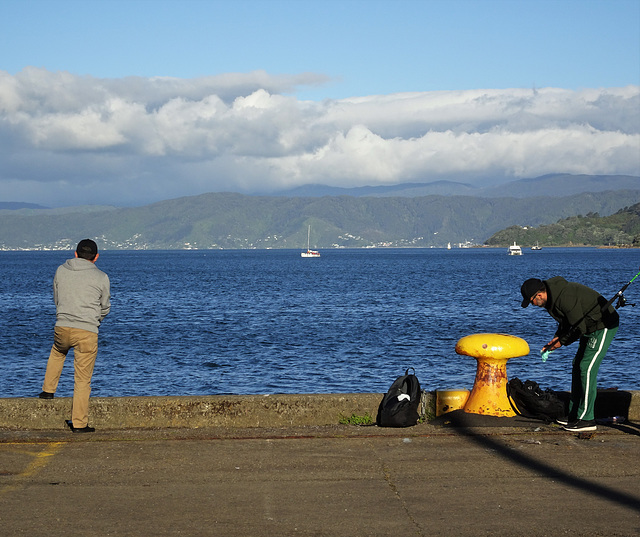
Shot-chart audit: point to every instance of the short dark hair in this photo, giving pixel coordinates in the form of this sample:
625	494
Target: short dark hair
87	249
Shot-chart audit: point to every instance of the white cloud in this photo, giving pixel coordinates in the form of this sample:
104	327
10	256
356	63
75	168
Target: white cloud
67	139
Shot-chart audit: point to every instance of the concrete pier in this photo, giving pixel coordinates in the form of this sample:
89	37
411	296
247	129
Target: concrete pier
282	466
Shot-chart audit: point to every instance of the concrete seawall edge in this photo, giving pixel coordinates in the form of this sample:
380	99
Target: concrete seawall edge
277	410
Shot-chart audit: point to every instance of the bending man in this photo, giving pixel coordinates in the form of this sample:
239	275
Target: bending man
579	312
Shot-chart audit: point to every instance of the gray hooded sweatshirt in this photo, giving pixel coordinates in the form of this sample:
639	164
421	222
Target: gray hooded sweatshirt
81	292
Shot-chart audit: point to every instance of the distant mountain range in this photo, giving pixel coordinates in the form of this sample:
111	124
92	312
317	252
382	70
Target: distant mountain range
547	185
16	205
227	220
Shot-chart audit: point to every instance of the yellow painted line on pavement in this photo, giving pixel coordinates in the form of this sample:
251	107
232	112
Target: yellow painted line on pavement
40	460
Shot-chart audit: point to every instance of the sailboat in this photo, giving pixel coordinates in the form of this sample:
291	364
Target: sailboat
309	252
536	247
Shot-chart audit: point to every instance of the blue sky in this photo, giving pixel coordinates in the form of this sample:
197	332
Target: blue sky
249	68
364	47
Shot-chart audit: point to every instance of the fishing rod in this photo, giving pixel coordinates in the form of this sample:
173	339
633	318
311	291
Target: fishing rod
622	301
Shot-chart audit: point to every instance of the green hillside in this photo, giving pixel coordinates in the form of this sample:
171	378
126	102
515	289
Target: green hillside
240	221
619	229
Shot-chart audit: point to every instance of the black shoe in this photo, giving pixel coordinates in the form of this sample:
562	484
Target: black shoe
45	395
581	426
86	429
566	420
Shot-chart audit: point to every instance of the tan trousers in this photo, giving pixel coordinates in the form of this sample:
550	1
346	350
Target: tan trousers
85	351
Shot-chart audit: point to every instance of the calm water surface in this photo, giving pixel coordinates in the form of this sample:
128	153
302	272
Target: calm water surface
261	322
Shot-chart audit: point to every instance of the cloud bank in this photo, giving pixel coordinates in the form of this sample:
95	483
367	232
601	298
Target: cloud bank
68	139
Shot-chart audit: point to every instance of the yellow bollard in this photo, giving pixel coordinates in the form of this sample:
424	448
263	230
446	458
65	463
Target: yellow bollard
450	400
489	393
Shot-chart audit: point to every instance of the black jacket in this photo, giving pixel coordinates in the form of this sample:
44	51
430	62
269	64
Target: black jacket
578	309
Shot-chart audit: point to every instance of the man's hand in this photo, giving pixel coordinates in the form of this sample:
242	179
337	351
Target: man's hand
552	345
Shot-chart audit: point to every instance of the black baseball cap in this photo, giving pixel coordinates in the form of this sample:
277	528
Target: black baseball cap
87	249
530	288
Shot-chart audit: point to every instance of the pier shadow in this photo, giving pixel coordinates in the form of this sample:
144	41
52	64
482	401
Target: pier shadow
579	483
611	403
467	424
626	427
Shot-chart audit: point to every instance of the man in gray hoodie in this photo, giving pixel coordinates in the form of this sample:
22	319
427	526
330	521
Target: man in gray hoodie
81	292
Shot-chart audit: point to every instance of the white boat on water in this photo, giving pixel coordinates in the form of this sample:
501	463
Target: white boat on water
536	247
514	249
309	252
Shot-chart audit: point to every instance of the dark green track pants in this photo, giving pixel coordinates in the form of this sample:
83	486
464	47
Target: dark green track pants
593	348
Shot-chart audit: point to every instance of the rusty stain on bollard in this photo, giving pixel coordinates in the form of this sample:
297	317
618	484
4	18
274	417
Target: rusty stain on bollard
489	393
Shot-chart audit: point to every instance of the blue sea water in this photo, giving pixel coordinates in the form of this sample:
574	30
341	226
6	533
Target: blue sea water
269	321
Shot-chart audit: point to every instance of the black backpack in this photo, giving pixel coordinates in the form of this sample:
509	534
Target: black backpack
399	406
530	401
